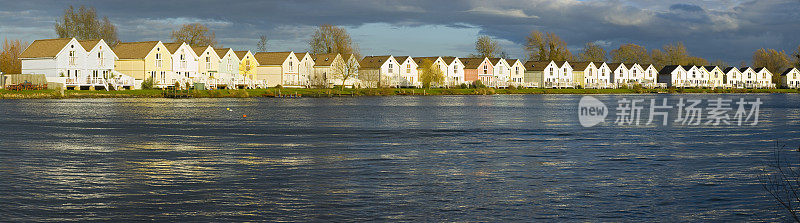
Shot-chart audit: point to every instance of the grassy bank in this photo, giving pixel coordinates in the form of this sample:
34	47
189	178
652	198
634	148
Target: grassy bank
6	94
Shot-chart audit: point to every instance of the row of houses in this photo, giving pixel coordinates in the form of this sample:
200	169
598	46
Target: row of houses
93	64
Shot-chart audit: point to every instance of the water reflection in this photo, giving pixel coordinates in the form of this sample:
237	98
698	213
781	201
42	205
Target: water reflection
427	158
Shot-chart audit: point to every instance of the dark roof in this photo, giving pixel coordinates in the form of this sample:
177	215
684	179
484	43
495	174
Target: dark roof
374	61
494	61
668	69
420	59
709	68
687	67
511	62
614	66
743	69
536	65
728	69
580	65
401	59
787	71
45	48
560	63
449	60
759	69
471	63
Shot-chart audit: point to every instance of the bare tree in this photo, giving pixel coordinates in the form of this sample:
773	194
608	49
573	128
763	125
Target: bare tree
83	24
262	43
9	57
195	34
332	39
782	182
371	78
344	70
485	46
675	54
592	52
720	63
546	46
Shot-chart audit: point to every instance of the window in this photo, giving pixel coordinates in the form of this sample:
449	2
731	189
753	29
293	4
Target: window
485	69
72	57
208	63
391	68
183	61
408	68
291	66
102	57
455	69
158	60
247	65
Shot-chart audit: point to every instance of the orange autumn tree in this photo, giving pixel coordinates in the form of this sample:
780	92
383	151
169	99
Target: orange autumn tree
9	57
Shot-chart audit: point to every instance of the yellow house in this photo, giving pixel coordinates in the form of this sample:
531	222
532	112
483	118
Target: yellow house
208	63
247	65
145	60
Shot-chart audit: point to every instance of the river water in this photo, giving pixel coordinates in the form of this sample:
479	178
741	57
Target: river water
401	158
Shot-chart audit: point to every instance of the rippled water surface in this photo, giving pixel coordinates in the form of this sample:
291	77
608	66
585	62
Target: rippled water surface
435	158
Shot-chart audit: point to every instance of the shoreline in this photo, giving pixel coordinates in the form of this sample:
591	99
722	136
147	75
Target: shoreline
314	93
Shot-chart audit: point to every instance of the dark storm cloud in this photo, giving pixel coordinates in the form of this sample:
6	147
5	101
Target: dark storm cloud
725	29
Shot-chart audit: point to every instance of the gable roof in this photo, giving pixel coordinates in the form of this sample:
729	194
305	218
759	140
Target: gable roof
494	61
241	54
744	69
271	58
134	50
536	65
325	59
199	49
709	68
511	62
668	69
614	66
728	69
758	70
45	48
449	60
222	52
788	70
374	61
89	44
172	47
580	65
560	63
419	60
472	63
300	55
401	59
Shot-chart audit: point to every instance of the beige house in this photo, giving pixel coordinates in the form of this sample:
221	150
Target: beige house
517	70
585	74
305	68
146	60
330	69
715	76
278	68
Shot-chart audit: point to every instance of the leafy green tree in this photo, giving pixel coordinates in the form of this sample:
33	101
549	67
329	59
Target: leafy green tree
430	74
775	61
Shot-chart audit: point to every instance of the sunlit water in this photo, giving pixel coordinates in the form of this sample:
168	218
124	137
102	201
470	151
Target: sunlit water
434	158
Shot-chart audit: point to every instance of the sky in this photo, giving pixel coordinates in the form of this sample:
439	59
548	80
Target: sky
729	30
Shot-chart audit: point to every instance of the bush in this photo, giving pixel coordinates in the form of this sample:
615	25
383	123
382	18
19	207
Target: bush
147	84
279	86
463	86
478	84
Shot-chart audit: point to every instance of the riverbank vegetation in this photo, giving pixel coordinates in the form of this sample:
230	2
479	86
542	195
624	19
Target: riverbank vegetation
337	92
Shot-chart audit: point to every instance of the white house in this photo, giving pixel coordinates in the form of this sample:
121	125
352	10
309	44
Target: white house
565	74
763	78
409	75
385	70
695	77
650	74
715	76
603	75
455	71
791	78
502	72
61	60
228	68
636	74
100	65
749	77
517	70
732	78
305	69
184	61
436	63
672	76
619	73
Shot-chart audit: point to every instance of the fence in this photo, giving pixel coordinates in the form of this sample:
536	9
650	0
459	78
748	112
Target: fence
14	79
